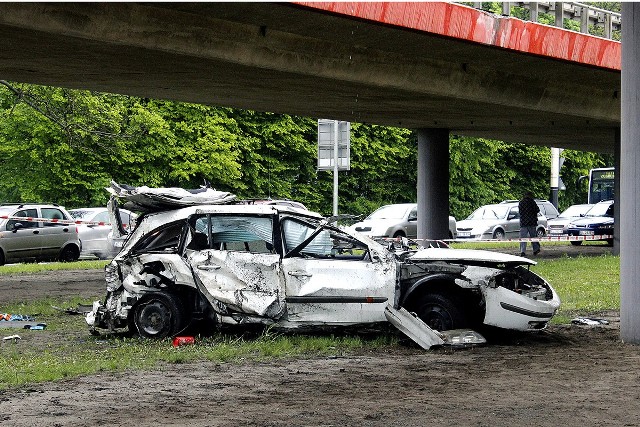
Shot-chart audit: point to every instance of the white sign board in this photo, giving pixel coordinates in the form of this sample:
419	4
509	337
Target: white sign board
327	142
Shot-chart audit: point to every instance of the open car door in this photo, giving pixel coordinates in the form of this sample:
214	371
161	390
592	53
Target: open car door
234	264
331	277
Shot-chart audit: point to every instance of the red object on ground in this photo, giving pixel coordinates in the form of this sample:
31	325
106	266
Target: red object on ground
178	341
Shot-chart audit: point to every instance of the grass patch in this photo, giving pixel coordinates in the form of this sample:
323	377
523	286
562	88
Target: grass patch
29	268
64	352
586	285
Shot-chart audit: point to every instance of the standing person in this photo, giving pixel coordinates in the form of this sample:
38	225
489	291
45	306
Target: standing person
528	221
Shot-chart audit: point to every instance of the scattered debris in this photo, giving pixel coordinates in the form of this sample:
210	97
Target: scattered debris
21	321
15	338
9	317
80	310
590	321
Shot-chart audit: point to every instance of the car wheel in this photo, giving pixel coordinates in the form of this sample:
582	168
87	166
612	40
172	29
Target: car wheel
69	253
576	242
399	234
540	232
440	313
498	234
158	315
2	260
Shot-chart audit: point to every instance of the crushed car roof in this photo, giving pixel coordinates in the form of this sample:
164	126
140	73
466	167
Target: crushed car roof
146	199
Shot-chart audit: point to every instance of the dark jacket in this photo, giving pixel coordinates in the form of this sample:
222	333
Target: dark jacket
528	212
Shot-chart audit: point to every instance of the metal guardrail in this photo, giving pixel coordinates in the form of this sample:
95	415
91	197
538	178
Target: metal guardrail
592	20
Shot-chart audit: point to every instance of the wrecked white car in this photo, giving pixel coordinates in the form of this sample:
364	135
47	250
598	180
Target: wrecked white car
277	265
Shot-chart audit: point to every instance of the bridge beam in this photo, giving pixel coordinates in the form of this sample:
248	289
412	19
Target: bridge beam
433	184
630	177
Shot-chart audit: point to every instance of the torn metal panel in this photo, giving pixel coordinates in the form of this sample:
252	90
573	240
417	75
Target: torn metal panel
413	327
246	282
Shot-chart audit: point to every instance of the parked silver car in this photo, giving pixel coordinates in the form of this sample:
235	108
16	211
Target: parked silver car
24	240
558	225
546	207
500	221
399	220
94	236
290	268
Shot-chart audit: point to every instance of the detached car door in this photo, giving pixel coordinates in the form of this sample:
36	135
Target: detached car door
235	264
331	278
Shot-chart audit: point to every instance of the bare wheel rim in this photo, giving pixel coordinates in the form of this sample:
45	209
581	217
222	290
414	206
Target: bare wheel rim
437	317
154	318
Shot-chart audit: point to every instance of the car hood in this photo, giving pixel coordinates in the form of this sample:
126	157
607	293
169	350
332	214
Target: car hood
375	223
594	220
470	257
562	221
475	223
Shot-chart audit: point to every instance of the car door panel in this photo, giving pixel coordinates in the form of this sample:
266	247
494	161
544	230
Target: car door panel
24	242
53	235
331	278
336	291
246	282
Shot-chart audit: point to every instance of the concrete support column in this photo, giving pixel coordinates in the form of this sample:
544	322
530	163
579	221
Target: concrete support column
433	184
630	176
616	193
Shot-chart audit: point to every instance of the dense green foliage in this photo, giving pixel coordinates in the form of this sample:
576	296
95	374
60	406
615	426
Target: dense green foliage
64	146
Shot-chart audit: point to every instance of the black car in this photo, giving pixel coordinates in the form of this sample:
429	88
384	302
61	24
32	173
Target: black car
598	221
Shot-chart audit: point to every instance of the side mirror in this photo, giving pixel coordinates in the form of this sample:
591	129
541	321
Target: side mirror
17	226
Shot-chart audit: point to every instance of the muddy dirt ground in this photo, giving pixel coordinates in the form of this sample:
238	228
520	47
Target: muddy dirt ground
568	375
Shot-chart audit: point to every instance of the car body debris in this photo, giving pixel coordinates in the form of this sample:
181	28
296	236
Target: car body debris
226	263
589	321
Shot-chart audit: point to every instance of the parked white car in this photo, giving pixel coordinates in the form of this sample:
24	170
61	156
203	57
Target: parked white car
95	234
399	220
559	225
282	266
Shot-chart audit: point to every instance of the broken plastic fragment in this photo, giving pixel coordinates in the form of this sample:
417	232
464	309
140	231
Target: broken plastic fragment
462	337
591	321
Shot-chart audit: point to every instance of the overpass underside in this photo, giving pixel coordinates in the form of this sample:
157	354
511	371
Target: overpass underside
284	58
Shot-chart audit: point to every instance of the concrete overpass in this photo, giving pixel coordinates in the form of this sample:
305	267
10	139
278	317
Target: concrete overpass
414	65
439	68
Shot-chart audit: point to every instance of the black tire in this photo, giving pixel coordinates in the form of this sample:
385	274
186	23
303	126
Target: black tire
399	234
498	234
576	242
440	313
540	232
157	315
69	253
2	260
609	242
